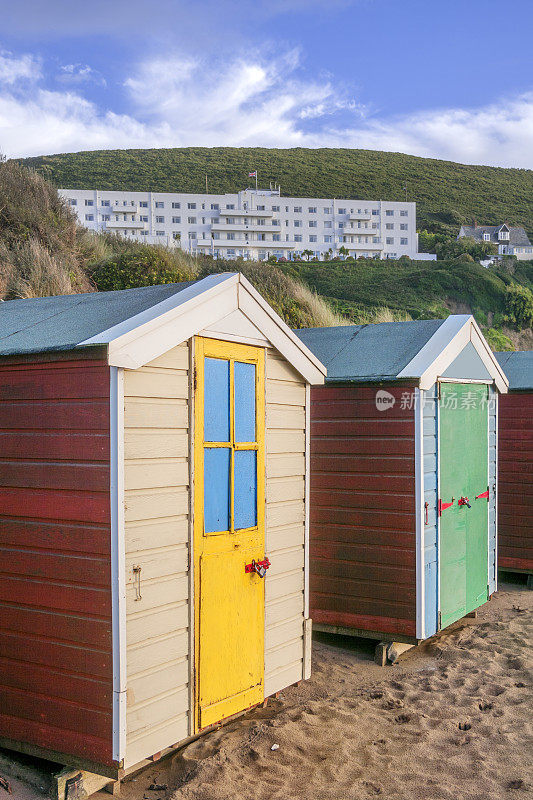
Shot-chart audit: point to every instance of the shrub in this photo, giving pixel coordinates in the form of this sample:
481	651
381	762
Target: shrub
520	305
30	270
143	265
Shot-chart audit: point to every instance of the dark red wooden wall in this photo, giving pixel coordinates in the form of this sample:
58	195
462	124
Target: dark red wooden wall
55	582
515	481
363	527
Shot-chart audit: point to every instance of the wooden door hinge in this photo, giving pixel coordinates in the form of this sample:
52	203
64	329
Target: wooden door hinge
194	377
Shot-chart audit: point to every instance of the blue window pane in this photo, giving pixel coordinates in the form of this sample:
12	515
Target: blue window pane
216	400
244	402
245	489
216	489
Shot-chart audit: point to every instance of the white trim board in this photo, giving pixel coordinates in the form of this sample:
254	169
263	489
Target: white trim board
419	513
144	337
118	561
445	345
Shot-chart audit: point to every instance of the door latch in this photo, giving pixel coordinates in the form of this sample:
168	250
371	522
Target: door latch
259	567
137	581
464	501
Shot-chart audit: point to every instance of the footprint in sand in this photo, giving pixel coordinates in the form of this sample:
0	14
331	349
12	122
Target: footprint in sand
485	706
401	719
464	726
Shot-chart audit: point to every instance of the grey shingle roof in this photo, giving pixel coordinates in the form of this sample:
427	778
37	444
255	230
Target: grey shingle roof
518	367
368	352
61	323
517	236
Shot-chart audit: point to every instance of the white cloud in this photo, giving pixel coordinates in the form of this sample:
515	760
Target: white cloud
80	73
17	68
251	101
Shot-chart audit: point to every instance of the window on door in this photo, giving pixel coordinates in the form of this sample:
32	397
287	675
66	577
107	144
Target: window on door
230	445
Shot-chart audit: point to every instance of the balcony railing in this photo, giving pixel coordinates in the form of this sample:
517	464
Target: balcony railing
123	224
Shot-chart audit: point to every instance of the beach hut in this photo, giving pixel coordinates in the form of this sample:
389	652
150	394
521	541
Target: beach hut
153	517
403	472
515	465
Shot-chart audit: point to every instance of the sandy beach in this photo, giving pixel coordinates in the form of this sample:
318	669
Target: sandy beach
451	720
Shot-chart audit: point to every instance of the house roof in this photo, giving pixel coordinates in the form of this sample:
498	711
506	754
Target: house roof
46	324
421	350
369	352
517	236
138	325
518	367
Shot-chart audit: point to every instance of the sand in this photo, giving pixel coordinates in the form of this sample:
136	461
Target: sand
453	719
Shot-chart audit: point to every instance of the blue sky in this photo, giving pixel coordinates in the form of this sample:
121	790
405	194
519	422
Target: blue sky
439	78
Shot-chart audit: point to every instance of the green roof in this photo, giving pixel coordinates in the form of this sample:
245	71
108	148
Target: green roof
518	367
362	353
65	322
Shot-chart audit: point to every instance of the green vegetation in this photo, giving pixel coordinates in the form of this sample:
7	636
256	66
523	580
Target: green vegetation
44	252
447	194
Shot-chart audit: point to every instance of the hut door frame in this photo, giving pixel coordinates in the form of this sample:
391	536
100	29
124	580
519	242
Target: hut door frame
229	601
455	517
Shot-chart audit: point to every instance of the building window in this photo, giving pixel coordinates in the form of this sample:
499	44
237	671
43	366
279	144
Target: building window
342	211
160	233
230	252
313	237
105	202
375	212
143	204
486	237
297	223
230	220
231	236
312	223
260	222
72	202
89	217
260	208
191	220
89	202
106	217
176	205
403	226
276	237
298	238
297	209
404	213
191	206
176	220
192	234
390	240
341	224
214	206
389	226
160	220
276	223
328	224
375	239
404	241
230	206
275	208
375	225
312	209
144	218
326	210
215	235
389	212
160	204
328	239
144	233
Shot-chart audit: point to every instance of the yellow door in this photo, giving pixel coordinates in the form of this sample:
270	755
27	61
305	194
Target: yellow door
229	529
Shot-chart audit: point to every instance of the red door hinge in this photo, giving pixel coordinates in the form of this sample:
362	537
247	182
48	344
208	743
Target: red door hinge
444	506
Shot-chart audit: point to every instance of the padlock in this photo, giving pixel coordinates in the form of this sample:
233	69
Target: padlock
259	568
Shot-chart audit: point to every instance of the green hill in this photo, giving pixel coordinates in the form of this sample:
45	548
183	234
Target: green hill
447	193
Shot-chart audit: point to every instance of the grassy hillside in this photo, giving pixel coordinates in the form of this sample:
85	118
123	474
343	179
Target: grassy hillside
447	193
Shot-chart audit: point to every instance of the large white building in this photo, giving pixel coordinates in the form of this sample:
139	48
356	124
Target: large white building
253	223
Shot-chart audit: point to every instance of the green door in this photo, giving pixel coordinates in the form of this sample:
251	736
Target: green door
463	419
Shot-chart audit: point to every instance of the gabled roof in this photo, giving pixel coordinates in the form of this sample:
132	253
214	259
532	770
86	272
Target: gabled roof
517	236
519	369
420	350
138	325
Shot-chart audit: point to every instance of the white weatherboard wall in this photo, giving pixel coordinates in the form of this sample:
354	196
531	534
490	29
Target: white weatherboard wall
157	523
285	523
156	481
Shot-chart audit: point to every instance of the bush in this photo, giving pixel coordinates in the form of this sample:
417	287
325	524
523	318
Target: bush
143	265
520	305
